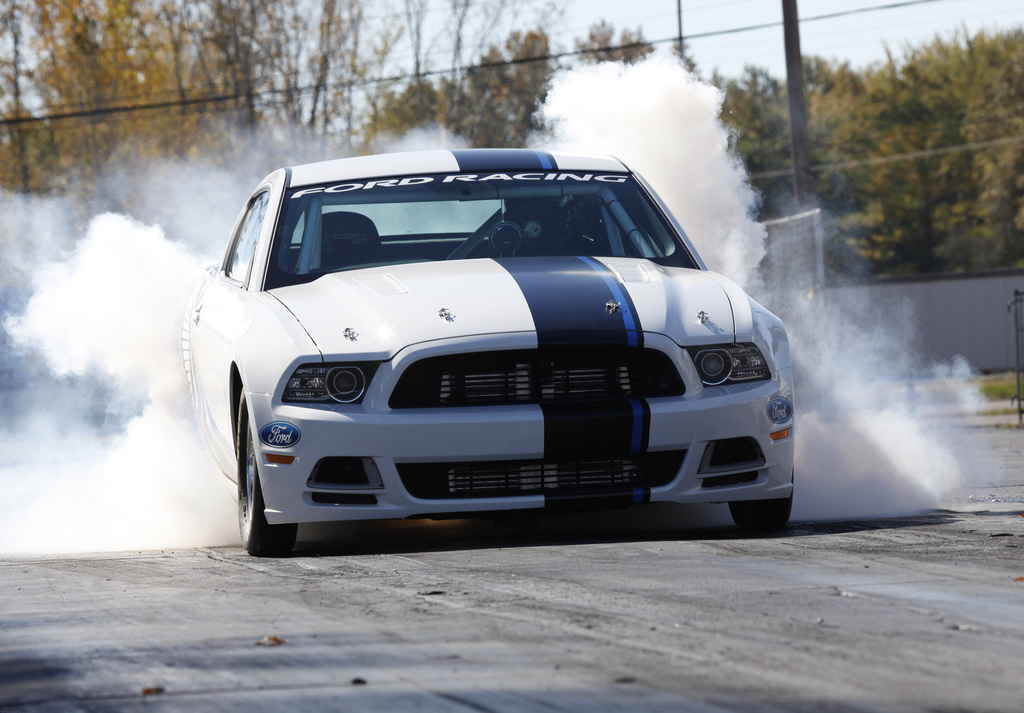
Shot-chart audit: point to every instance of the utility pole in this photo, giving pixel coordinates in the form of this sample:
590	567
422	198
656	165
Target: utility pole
679	17
803	185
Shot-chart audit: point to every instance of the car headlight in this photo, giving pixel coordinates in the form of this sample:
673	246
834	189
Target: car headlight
324	383
730	364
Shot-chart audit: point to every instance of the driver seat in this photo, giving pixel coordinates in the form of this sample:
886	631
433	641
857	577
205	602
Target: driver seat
348	240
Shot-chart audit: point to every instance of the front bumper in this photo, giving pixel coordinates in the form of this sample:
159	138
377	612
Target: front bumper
455	435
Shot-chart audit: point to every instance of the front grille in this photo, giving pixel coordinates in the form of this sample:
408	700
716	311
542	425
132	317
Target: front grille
534	376
488	479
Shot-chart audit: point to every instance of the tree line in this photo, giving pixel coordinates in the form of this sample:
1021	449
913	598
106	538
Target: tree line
917	159
89	83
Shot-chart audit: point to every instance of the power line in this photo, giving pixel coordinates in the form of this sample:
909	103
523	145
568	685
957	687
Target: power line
814	18
550	57
875	160
127	109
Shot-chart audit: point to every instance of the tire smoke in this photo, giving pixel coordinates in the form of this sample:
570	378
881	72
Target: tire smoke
108	457
663	122
862	447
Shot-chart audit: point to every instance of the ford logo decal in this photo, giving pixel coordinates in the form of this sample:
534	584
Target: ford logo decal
280	434
780	410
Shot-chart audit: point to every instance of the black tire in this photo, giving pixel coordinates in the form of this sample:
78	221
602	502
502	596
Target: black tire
259	538
761	515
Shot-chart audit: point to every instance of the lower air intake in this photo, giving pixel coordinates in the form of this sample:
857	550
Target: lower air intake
731	454
489	479
345	473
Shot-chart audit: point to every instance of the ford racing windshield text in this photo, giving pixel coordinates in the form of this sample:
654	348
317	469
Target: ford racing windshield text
461	178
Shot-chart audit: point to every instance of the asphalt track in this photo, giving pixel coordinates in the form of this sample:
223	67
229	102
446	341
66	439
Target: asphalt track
615	612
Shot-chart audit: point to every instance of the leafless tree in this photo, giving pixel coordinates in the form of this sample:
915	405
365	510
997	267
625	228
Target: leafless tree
12	18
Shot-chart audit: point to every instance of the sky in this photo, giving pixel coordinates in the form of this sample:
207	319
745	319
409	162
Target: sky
858	38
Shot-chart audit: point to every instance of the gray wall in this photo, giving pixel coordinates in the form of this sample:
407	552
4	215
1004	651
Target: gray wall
957	314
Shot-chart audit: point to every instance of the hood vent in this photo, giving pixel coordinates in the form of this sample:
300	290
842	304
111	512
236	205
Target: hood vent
382	285
631	272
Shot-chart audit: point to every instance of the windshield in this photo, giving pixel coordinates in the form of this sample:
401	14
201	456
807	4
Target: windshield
377	222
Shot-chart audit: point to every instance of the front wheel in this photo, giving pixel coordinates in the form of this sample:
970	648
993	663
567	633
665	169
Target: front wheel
761	515
260	538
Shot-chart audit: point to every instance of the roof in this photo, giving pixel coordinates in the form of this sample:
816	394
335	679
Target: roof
454	161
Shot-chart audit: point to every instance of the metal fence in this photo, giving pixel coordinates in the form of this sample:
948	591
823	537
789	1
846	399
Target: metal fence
1015	307
960	314
954	314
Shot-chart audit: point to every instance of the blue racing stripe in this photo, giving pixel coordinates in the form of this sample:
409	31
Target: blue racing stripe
625	303
637	442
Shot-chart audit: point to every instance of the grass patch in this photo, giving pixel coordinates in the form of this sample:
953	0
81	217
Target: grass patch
998	387
998	412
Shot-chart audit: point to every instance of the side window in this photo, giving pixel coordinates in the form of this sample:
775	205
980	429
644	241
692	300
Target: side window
245	243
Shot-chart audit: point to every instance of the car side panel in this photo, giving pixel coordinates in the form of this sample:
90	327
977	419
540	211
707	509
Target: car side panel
218	322
251	332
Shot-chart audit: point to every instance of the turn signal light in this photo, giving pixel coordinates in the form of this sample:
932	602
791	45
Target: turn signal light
282	459
779	435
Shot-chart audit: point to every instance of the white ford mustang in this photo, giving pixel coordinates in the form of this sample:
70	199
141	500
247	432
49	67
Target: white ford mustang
478	332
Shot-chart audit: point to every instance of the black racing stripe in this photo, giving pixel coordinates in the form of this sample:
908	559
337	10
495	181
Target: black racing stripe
569	300
504	160
619	498
600	430
616	428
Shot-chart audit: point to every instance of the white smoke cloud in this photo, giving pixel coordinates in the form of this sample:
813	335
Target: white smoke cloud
663	122
109	311
108	457
865	444
424	138
109	306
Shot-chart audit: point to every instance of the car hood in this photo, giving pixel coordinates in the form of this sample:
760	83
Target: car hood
376	312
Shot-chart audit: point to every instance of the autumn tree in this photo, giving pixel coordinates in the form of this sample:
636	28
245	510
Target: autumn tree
994	125
600	45
468	40
755	108
916	159
489	102
903	143
95	64
14	27
506	91
310	77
